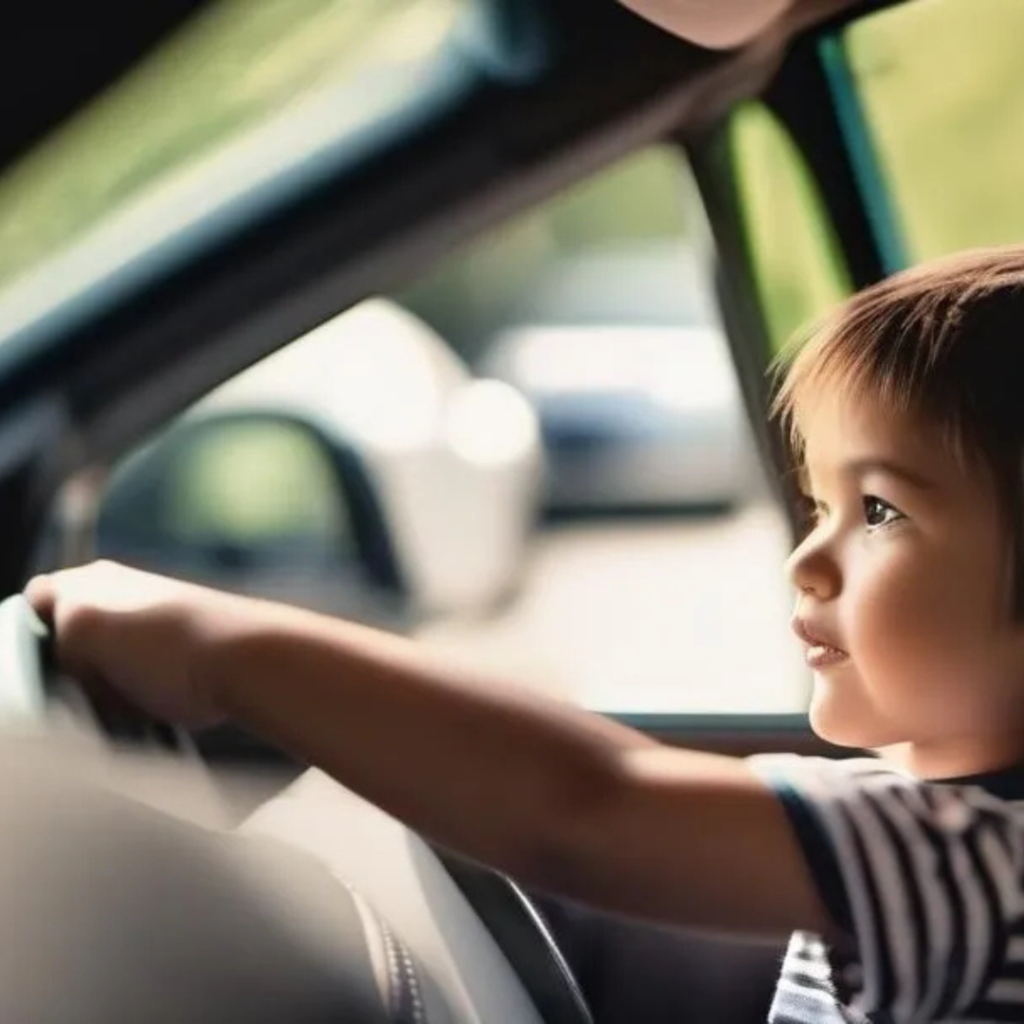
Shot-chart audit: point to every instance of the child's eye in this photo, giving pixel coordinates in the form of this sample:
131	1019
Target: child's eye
880	513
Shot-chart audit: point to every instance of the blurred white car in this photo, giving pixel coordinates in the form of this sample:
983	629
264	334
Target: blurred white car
633	383
360	459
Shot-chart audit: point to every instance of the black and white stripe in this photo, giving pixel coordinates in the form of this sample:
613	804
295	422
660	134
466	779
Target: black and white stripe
928	878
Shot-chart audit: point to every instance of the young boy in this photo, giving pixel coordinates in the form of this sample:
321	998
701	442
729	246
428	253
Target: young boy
899	878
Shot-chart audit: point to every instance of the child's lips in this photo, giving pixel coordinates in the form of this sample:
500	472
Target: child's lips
822	657
819	649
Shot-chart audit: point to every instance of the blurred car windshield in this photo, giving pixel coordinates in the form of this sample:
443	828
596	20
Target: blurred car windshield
250	99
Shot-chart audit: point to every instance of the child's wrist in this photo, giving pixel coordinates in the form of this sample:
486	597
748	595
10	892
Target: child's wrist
230	659
220	658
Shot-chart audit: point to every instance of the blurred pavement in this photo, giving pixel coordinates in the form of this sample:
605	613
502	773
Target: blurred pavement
660	615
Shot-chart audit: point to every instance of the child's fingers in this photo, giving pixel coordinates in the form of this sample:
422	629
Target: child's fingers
116	714
41	593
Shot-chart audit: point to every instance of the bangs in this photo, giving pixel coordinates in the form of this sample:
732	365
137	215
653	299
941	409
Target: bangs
943	343
841	362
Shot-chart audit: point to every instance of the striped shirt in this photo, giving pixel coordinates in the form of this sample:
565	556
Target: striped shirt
926	879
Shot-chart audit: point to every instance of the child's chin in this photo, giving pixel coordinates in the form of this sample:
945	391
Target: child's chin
837	722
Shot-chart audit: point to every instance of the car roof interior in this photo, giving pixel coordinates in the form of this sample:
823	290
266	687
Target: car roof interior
525	106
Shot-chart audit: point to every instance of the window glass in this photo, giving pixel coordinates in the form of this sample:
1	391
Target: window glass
541	266
594	523
939	88
245	95
653	581
797	264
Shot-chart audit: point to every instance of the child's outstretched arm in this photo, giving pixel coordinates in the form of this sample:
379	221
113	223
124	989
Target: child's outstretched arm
557	796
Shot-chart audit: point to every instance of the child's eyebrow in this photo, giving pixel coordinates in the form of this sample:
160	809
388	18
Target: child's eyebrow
859	468
862	467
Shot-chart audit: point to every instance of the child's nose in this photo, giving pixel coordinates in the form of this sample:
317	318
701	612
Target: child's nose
812	570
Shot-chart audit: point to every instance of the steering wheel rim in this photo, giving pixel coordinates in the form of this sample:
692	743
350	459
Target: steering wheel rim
30	684
26	658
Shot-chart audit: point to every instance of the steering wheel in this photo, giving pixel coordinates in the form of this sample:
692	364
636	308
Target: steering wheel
31	686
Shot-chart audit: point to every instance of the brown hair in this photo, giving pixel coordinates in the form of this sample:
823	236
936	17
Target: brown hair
943	342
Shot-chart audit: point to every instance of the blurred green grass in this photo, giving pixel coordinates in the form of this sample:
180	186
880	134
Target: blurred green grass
229	69
941	85
799	270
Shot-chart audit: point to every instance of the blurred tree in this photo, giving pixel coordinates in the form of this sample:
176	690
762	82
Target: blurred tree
485	286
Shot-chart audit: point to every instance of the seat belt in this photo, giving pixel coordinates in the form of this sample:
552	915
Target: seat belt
524	938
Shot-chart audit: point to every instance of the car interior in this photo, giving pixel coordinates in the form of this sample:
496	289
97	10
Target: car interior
420	148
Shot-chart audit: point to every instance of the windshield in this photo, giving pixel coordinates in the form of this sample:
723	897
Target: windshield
218	117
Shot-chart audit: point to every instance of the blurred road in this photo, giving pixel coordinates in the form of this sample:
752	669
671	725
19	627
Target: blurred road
660	615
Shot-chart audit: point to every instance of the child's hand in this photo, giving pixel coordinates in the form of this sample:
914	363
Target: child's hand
136	633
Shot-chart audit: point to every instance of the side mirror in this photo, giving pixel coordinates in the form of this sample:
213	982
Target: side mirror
361	470
258	503
272	505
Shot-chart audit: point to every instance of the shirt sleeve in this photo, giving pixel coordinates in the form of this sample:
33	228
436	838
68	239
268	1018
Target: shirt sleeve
924	877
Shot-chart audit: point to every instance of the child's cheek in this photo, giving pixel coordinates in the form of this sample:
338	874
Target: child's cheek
905	628
914	630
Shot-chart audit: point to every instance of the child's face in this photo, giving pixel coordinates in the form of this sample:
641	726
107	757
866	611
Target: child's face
906	574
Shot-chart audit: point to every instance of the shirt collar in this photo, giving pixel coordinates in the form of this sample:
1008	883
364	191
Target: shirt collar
1004	783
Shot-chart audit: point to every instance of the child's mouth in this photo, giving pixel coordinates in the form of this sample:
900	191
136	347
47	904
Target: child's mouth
821	656
818	653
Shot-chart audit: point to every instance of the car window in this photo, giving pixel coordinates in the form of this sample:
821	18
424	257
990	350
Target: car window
797	263
932	101
248	100
611	250
653	581
563	466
